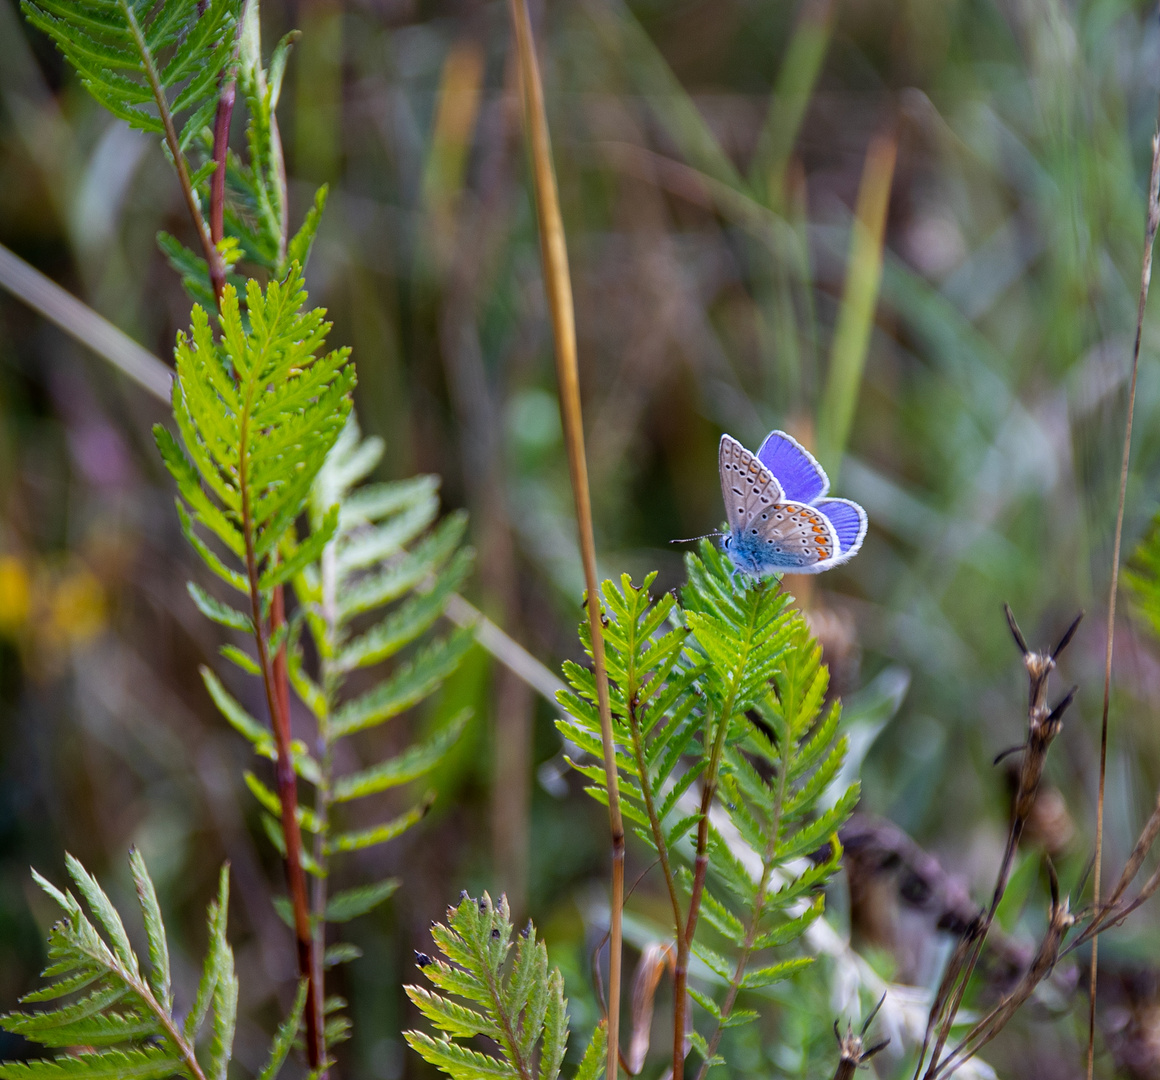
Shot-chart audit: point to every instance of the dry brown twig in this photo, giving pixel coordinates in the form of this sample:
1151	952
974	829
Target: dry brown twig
1043	725
1060	920
853	1053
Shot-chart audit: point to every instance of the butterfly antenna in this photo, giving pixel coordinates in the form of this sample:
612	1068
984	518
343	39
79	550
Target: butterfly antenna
692	539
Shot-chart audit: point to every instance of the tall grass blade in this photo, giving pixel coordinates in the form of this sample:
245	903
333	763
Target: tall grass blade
558	285
859	300
1153	222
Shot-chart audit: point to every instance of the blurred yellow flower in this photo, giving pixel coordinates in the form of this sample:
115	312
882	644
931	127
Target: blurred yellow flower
15	595
77	607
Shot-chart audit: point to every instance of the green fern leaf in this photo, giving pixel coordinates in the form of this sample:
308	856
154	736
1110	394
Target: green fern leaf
284	1038
592	1064
519	1009
111	1005
344	906
129	55
418	760
159	976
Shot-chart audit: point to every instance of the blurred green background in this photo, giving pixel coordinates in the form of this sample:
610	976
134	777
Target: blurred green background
734	174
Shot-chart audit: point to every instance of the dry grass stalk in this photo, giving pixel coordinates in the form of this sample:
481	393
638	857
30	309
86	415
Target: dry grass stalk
558	284
1043	725
853	1053
1060	920
1152	224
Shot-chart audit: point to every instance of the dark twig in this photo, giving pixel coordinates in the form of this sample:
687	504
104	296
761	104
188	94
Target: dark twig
852	1054
1060	920
1043	725
1153	222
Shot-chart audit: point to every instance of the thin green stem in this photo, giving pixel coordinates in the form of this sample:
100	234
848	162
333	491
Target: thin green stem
212	258
767	861
171	1029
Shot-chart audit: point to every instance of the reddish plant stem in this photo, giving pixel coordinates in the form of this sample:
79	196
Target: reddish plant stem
309	961
278	703
217	186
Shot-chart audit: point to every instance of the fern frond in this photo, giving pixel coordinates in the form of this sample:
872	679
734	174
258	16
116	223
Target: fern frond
777	778
258	409
519	1005
1142	577
145	62
104	1000
650	683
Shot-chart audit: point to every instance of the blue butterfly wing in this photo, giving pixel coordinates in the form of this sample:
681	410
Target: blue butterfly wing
786	538
746	485
849	523
797	470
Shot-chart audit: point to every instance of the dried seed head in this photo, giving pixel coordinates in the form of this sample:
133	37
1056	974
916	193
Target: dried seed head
1016	633
1068	634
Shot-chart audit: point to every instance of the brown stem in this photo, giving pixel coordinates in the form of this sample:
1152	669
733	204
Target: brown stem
1043	725
558	285
278	703
1153	222
681	962
217	186
309	960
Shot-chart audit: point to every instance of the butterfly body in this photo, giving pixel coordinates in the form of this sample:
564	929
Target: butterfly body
779	520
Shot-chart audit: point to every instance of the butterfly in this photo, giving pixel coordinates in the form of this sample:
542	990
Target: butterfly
779	521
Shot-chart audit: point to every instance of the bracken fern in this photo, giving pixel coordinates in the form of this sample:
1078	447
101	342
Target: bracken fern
133	54
523	1012
724	690
119	1019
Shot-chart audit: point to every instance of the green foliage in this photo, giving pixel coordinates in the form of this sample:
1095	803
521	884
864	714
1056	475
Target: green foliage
255	205
120	1017
153	63
1142	577
369	598
725	690
265	440
653	708
131	54
522	1010
257	410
